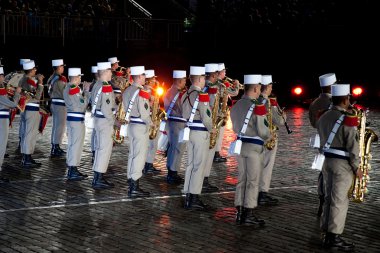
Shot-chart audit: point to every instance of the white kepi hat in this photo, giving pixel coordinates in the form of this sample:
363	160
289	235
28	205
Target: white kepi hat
57	62
94	69
327	79
179	73
252	79
338	90
149	73
266	79
221	66
197	71
113	60
137	70
211	67
1	71
75	72
28	65
104	65
22	61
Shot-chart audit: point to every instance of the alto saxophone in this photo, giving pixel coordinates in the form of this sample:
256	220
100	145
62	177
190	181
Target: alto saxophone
157	115
217	120
271	143
120	113
366	137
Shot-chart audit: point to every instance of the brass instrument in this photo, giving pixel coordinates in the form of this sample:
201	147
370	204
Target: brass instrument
230	80
366	137
272	129
215	119
120	116
157	114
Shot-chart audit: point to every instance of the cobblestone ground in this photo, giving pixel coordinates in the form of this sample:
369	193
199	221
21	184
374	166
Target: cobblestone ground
41	212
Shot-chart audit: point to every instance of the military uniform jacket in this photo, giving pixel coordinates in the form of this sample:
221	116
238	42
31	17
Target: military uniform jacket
75	102
6	103
346	138
231	90
31	85
141	107
106	100
276	116
203	112
257	125
318	107
58	85
168	98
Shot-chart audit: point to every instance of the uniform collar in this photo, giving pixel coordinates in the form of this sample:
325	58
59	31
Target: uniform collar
137	85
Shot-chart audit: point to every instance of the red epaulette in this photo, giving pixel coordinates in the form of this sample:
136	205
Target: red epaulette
204	97
227	84
119	73
31	82
212	90
260	110
74	90
273	101
107	88
144	94
3	92
63	79
351	120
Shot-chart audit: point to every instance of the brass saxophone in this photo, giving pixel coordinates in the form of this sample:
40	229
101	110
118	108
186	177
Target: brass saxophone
366	137
157	115
218	120
120	114
271	143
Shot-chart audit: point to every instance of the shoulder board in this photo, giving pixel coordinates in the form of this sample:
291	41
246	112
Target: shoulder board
273	101
119	73
260	110
144	94
351	120
107	88
204	97
31	82
63	79
227	84
3	92
212	90
74	90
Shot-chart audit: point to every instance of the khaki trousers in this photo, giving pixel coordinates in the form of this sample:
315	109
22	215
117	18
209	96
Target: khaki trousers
138	135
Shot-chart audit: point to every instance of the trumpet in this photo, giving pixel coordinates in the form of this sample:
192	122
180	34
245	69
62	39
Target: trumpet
230	80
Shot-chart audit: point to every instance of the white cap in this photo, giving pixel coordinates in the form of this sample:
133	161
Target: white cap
149	73
211	67
94	69
22	61
75	72
104	65
137	70
327	79
266	79
338	90
221	66
57	62
179	73
113	60
197	71
1	71
252	79
28	65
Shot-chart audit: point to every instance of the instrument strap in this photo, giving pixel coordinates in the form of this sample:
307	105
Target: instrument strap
246	120
96	101
131	102
52	81
195	106
172	104
333	132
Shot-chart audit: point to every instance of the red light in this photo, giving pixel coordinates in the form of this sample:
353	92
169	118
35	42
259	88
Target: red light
357	91
297	91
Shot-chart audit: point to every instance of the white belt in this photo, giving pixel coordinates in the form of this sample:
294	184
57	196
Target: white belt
76	115
177	118
58	100
4	113
337	152
33	104
100	113
192	124
137	120
117	91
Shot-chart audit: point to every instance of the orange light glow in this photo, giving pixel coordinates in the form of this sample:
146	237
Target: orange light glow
357	91
160	91
297	90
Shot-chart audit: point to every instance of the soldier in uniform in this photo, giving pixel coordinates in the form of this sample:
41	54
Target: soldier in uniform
136	101
76	105
197	112
316	109
251	158
175	123
94	71
103	99
150	83
341	163
21	129
271	105
57	83
115	75
5	105
31	116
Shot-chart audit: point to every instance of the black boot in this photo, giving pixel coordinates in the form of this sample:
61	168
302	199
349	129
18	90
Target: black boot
60	150
207	187
193	202
93	157
218	158
320	208
134	190
3	180
265	199
6	155
332	240
99	182
250	219
28	161
55	152
18	149
239	215
173	177
150	169
73	174
188	199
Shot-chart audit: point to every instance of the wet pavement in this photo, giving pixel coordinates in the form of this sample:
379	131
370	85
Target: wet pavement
41	212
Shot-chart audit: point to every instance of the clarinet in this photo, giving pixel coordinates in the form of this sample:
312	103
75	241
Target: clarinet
281	111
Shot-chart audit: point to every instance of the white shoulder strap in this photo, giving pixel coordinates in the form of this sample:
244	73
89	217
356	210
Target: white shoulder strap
171	106
96	101
131	102
195	106
247	118
333	132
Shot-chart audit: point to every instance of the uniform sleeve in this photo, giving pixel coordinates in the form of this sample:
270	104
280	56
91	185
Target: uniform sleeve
16	98
4	101
236	124
40	90
87	96
144	109
67	98
351	136
233	91
312	118
61	85
262	127
205	113
276	117
107	104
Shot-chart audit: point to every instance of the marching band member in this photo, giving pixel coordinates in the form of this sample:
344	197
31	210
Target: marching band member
136	101
341	163
5	105
316	109
270	103
94	71
76	105
21	129
251	158
197	112
31	115
57	83
175	123
103	99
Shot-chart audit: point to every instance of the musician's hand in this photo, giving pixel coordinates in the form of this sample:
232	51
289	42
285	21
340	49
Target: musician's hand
236	83
359	173
40	78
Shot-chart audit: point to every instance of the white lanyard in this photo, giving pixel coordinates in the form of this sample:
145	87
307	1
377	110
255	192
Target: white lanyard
247	118
195	106
172	104
96	101
131	102
333	132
